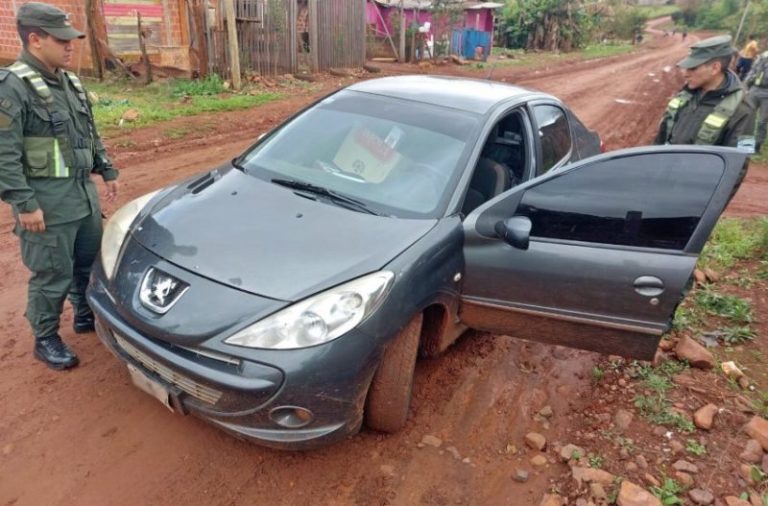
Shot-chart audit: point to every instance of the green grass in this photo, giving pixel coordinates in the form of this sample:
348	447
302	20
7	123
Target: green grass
606	50
730	307
521	58
656	408
735	239
695	448
163	101
658	11
687	317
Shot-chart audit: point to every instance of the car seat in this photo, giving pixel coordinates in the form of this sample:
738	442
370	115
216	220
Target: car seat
490	179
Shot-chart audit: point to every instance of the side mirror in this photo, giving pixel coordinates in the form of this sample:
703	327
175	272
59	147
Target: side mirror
515	231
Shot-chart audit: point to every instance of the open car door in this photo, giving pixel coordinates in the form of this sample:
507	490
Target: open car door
597	255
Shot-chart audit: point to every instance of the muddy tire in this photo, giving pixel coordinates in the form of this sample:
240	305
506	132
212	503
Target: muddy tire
389	397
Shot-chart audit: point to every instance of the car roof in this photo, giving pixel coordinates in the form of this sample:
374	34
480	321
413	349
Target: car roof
472	95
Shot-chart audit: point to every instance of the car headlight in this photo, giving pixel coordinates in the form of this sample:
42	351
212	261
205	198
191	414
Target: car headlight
320	318
117	228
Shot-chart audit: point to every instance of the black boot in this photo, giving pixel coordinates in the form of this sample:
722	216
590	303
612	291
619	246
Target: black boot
55	353
84	324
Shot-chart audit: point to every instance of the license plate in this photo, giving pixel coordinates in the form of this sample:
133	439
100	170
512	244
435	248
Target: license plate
150	386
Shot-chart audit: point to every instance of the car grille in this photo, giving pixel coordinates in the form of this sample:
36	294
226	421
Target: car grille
193	388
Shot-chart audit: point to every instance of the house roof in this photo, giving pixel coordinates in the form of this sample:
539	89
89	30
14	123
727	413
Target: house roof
426	4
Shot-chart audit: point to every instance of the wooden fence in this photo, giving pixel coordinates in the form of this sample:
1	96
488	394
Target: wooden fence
271	43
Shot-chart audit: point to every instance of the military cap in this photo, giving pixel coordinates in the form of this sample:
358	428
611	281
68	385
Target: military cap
706	50
48	18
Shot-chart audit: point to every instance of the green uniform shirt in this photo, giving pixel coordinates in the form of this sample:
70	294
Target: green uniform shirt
692	115
24	114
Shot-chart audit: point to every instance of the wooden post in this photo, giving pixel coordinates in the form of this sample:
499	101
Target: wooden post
313	36
402	33
93	41
143	48
199	16
234	50
293	43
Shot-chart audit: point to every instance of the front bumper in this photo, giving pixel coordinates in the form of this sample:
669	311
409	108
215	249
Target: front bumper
237	389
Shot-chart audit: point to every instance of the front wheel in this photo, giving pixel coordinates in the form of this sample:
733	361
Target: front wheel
389	397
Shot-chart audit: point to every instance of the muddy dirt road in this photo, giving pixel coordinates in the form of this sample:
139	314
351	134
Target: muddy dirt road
88	437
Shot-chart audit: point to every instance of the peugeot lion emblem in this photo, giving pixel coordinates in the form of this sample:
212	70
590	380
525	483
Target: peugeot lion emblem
160	291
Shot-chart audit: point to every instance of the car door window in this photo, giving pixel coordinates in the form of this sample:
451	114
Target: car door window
502	162
646	202
554	136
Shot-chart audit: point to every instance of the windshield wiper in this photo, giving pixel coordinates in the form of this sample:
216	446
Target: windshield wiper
334	196
236	164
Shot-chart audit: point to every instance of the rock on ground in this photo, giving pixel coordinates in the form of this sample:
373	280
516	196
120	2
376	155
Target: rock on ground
634	495
705	416
535	441
700	496
694	353
757	428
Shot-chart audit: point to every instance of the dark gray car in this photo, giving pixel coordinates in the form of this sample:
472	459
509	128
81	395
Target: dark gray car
284	297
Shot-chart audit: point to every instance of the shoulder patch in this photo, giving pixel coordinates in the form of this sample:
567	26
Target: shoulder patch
5	120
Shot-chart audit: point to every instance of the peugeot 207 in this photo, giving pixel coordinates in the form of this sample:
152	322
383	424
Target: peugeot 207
286	295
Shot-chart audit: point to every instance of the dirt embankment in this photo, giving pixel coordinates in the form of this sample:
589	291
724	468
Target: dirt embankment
88	437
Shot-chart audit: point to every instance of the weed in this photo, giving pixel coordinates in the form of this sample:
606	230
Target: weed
668	492
738	335
734	239
597	374
686	318
160	102
177	133
626	443
595	461
212	84
656	409
729	307
695	448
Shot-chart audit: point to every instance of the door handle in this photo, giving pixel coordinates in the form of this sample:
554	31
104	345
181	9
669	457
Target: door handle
649	286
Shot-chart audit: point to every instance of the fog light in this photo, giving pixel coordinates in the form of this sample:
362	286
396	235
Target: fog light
291	417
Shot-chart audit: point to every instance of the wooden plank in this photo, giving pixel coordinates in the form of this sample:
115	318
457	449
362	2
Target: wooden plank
313	36
234	53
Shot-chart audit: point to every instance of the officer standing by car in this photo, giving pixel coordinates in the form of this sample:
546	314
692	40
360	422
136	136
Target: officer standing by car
712	107
757	82
49	147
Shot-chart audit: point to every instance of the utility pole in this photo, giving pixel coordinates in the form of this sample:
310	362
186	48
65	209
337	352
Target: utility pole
234	49
402	32
741	23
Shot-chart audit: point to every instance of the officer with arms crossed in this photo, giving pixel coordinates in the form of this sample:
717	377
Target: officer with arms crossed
48	149
712	107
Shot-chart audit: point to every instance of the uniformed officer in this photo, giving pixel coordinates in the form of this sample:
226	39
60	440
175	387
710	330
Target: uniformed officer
712	107
757	81
49	148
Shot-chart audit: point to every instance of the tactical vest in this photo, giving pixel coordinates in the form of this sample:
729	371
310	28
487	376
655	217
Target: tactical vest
761	64
50	156
713	124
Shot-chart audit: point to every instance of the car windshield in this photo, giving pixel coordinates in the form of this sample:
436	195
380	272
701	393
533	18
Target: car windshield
397	157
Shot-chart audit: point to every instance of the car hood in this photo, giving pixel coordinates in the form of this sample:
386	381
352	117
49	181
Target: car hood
265	239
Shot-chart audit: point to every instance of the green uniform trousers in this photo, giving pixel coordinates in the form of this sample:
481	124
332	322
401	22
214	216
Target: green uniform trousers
60	260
